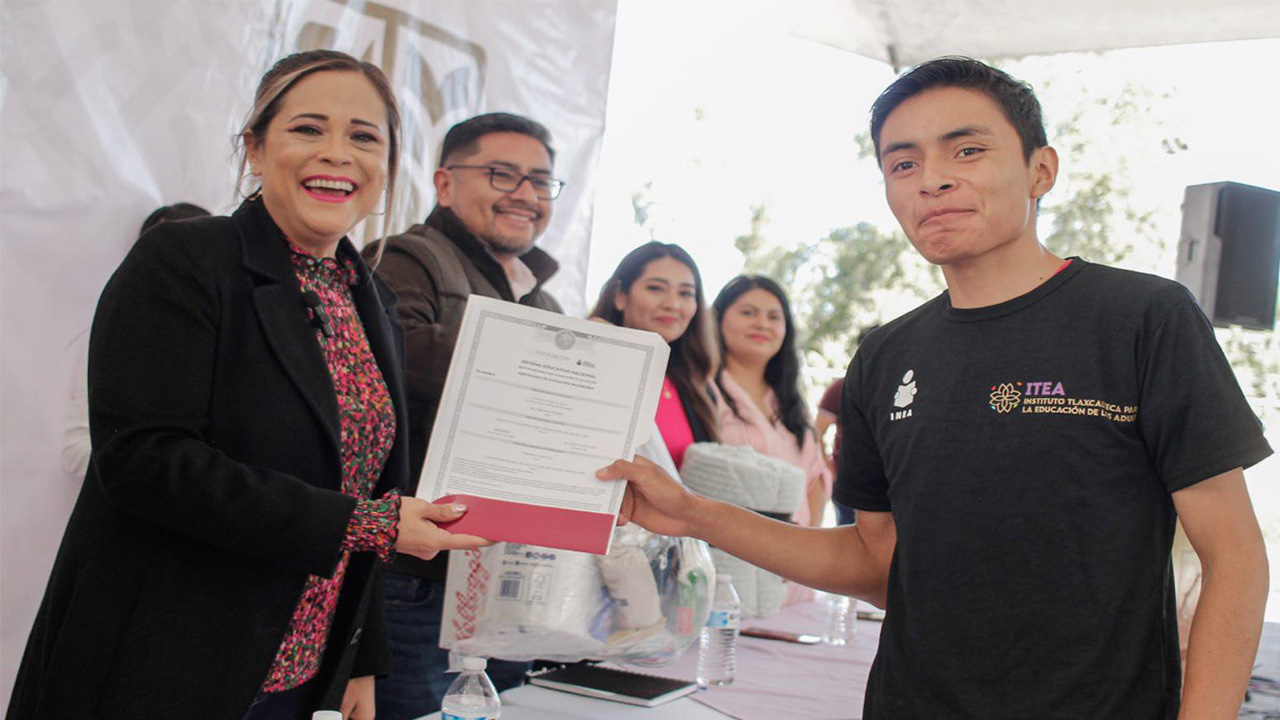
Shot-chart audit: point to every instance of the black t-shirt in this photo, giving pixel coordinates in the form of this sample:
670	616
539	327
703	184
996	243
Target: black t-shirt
1027	452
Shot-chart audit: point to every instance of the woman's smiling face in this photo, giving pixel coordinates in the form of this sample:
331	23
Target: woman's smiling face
323	158
753	327
662	300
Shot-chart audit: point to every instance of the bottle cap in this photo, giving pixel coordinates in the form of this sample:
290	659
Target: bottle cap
474	663
326	715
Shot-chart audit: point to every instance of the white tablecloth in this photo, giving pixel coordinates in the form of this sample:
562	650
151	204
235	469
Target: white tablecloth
774	680
784	680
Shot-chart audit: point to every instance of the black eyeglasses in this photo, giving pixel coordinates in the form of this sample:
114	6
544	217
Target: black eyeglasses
508	181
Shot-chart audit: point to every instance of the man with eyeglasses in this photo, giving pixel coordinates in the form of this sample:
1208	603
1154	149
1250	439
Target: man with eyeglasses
494	193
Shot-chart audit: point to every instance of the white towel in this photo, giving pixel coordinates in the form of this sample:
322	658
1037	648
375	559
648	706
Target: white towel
742	476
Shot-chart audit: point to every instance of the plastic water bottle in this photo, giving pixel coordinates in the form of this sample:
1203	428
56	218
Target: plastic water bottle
472	695
718	649
842	618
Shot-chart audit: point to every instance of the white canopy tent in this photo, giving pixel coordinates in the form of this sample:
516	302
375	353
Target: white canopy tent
908	32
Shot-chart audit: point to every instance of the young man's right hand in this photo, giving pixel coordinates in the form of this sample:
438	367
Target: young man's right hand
851	560
653	499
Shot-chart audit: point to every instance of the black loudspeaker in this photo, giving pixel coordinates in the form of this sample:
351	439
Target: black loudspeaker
1229	252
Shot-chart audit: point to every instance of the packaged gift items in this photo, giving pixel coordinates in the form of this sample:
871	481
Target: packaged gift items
520	602
644	602
660	592
744	477
683	574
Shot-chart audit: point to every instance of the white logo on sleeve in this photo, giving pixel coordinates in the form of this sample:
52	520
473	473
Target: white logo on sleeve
906	391
905	395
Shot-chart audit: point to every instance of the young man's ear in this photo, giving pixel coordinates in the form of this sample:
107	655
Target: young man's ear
1044	171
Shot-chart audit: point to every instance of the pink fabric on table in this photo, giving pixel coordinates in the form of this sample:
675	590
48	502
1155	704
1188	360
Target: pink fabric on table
673	423
784	680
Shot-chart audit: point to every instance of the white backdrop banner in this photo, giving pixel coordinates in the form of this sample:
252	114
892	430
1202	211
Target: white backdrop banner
112	109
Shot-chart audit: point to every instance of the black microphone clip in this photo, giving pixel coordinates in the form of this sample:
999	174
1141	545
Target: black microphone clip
318	318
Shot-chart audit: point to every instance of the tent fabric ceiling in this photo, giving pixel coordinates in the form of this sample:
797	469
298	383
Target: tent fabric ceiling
908	32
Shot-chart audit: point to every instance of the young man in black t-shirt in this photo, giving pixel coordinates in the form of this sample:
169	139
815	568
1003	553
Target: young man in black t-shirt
1017	449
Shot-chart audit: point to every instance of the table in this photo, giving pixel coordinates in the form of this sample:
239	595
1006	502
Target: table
772	672
774	680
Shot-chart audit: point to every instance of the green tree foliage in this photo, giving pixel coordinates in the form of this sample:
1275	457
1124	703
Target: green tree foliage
864	262
783	264
835	284
1091	211
1255	356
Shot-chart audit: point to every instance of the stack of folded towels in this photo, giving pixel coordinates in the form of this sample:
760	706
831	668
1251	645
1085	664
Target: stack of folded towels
767	485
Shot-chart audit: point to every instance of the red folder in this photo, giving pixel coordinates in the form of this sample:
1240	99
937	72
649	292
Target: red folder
504	520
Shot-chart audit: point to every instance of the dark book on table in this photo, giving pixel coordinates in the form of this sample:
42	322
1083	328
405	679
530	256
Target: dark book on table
612	684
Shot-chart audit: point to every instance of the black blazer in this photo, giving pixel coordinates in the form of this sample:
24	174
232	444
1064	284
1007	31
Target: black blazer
214	488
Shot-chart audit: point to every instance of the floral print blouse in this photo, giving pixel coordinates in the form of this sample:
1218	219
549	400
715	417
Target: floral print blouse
368	428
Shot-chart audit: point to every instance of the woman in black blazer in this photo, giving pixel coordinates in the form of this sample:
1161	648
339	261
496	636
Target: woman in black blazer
247	417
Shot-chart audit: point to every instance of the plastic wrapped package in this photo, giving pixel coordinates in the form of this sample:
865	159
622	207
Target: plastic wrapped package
742	476
644	602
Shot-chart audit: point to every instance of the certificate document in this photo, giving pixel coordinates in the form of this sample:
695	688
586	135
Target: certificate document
535	403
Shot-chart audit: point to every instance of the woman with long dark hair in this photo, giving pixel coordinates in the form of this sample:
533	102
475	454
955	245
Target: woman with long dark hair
246	404
760	403
657	287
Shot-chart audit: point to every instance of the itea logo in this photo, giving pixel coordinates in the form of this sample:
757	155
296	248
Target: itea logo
1005	397
905	395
